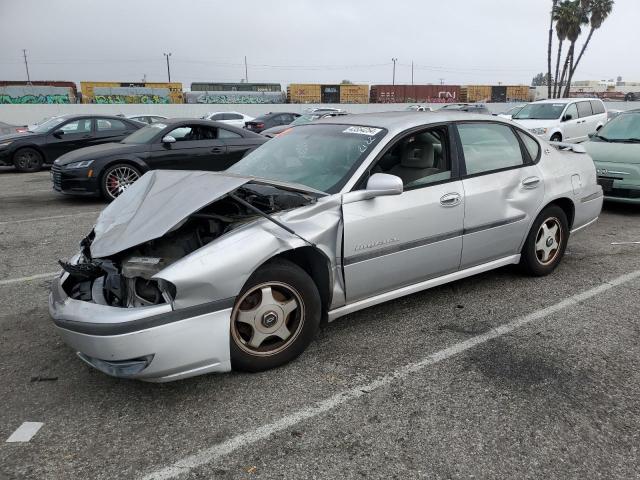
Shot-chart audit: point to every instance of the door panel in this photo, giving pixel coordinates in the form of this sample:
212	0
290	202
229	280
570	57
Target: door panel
77	134
393	241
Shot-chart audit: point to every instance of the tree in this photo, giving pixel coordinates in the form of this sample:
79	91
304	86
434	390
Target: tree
562	16
600	10
576	17
346	82
540	80
553	10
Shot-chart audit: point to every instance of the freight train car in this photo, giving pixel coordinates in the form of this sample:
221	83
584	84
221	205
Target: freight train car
13	92
246	97
415	93
354	93
336	93
127	92
304	93
235	87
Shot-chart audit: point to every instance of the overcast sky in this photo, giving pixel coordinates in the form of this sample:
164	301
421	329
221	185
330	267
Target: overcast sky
285	41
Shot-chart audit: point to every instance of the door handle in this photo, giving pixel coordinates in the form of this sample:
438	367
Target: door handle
217	150
450	199
530	182
86	136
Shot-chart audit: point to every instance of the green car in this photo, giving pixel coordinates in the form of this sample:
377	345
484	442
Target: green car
615	149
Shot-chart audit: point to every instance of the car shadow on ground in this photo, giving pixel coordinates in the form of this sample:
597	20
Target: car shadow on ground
622	208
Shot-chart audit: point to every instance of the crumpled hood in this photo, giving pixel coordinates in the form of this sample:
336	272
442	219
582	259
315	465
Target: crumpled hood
90	153
614	152
155	204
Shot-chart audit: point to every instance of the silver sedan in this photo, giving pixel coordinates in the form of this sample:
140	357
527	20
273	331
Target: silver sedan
193	272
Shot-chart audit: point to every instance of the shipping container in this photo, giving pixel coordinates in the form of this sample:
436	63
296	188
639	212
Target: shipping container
475	93
70	91
131	92
330	94
498	94
518	93
234	97
414	93
304	93
354	93
235	87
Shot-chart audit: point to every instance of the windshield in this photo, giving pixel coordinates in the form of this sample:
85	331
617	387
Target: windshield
320	156
540	111
48	125
304	119
145	134
623	127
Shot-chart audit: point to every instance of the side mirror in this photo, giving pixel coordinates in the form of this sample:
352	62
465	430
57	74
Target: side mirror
58	133
379	185
168	139
567	117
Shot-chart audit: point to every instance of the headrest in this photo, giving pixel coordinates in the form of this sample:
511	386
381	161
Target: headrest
418	155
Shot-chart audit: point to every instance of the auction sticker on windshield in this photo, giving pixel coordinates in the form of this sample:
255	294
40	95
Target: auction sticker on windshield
363	130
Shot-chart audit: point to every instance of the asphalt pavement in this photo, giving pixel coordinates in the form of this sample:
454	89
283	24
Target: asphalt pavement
495	376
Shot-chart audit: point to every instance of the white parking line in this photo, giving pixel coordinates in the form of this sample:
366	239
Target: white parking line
9	281
25	432
52	217
214	452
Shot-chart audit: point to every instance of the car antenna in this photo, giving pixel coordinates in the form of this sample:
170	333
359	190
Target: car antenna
269	217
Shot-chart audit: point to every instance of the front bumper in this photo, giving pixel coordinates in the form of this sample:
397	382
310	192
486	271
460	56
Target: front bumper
156	343
74	182
620	182
5	156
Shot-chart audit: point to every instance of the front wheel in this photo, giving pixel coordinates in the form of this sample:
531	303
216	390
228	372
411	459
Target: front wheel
556	137
116	179
27	160
275	317
547	240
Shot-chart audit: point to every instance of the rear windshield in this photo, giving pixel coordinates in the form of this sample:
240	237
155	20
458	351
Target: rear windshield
540	111
320	156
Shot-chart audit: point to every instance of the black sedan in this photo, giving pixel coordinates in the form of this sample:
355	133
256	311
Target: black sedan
28	152
177	144
269	120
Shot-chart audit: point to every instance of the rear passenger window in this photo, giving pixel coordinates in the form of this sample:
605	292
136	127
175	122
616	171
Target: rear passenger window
105	125
488	147
531	145
584	109
222	133
233	116
597	107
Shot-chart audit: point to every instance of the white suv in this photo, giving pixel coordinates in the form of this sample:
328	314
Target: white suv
563	119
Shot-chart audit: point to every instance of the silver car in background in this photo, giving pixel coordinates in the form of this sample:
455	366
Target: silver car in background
193	272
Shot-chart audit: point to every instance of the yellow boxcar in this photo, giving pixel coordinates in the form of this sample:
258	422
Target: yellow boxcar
304	93
518	93
131	92
354	93
476	93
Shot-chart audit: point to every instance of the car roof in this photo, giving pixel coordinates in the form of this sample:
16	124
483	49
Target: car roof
402	120
566	100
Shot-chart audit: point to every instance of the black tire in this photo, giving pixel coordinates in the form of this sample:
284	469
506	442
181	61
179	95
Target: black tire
110	190
533	257
27	160
285	282
556	137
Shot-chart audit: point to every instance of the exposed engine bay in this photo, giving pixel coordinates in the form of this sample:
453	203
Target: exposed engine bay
126	278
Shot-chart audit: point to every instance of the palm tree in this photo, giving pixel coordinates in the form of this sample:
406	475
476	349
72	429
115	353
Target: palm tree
577	18
600	10
562	16
553	12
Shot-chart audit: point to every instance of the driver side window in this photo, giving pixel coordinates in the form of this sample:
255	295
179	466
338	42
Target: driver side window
573	111
419	159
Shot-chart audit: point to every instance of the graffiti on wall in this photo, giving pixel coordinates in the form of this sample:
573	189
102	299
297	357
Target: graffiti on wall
21	95
156	99
131	95
235	97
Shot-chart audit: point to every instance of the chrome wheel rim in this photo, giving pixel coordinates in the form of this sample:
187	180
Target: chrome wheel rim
27	160
267	318
548	241
119	179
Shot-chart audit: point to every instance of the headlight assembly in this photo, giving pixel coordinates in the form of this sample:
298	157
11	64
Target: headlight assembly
4	144
82	164
539	131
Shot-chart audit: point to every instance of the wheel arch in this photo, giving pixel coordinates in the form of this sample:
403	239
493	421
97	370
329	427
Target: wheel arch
567	206
33	146
143	167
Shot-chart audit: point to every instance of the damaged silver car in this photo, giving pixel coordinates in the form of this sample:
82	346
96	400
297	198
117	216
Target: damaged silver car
192	272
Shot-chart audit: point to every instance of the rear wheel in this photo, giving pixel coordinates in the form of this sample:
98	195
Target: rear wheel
27	160
117	178
545	245
275	317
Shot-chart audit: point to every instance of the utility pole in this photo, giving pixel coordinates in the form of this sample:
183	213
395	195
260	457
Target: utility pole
167	55
411	72
26	65
442	81
394	60
246	74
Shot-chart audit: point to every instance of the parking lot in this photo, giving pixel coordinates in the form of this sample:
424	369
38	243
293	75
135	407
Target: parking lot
496	376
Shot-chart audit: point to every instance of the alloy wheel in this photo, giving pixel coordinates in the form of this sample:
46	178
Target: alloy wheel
27	160
119	179
548	241
267	318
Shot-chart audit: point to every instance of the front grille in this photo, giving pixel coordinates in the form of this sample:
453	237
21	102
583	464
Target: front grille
56	177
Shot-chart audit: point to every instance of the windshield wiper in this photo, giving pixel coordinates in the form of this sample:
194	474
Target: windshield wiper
631	140
602	138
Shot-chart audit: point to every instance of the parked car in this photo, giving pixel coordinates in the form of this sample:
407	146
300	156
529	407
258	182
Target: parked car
235	119
301	120
7	129
508	114
467	107
181	144
568	120
146	118
28	152
194	272
615	149
325	110
419	108
271	119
